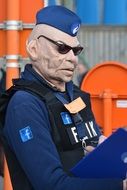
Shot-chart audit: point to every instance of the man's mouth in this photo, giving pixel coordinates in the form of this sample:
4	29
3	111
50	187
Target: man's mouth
69	69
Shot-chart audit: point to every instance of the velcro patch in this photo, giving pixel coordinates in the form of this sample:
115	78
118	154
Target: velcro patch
26	134
66	118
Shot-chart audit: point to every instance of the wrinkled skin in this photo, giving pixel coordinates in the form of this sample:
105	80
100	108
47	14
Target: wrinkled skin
56	68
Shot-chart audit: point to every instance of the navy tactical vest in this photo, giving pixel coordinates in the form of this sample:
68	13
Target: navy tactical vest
68	130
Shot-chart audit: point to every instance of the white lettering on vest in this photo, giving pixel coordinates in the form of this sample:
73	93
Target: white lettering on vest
92	128
87	127
73	129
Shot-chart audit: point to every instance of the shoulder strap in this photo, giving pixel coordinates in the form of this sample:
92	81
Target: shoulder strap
20	84
20	181
34	88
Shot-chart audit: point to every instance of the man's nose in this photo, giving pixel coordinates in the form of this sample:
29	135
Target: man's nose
72	57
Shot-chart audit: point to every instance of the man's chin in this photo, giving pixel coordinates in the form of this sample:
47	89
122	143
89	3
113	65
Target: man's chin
64	78
67	79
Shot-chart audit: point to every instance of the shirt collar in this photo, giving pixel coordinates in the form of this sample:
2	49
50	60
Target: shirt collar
30	74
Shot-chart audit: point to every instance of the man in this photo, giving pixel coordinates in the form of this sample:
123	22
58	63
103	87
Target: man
47	135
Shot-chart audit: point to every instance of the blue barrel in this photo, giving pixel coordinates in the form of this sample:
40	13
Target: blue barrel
51	2
115	12
88	10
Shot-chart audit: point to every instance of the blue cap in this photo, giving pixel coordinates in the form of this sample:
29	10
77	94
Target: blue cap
59	17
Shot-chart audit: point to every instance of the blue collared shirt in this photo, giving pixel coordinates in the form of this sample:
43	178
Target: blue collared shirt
28	132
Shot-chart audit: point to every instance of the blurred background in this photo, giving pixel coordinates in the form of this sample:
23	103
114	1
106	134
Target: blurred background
103	34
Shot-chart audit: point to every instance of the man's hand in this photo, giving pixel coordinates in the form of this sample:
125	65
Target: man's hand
101	139
125	184
91	148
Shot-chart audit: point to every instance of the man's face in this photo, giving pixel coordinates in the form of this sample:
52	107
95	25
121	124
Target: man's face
52	65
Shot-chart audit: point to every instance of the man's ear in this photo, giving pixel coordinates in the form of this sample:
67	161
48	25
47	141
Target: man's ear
32	49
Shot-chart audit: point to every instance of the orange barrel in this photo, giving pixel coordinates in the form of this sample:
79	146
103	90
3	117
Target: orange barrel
28	11
106	84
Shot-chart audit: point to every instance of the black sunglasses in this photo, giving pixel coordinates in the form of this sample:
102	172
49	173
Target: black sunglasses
64	48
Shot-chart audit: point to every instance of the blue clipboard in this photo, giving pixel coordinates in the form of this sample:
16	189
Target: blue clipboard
108	160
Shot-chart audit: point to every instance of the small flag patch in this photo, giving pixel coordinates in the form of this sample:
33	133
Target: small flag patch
26	134
66	118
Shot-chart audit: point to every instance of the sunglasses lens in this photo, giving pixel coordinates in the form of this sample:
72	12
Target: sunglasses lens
63	48
77	50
